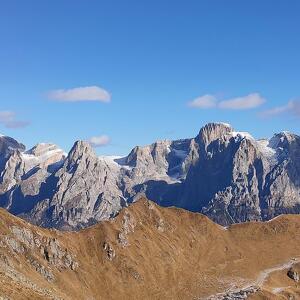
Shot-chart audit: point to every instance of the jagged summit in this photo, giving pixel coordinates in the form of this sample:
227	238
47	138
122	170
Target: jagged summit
82	146
80	149
226	174
8	145
213	131
283	139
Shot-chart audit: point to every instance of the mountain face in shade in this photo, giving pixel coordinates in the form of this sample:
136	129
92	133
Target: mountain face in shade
227	175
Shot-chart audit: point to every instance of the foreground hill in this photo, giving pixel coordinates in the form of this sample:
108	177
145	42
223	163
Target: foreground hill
227	175
149	252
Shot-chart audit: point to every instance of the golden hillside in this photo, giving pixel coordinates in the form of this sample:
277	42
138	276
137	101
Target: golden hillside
149	252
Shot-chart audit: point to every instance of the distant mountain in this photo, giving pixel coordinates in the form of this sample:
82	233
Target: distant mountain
150	252
227	175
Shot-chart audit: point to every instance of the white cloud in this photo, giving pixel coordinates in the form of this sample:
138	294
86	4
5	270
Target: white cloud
99	141
206	101
8	119
88	93
292	107
246	102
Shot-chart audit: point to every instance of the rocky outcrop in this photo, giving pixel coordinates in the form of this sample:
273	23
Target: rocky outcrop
227	175
43	254
128	225
236	295
109	251
294	274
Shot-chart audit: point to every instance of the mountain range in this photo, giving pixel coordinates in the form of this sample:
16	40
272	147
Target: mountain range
227	175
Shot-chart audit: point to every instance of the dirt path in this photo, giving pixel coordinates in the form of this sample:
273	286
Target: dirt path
253	286
265	274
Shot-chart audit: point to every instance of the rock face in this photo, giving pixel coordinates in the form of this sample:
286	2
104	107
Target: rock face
8	145
227	175
85	191
293	273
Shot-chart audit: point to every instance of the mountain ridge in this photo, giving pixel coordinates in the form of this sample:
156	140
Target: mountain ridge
150	252
225	174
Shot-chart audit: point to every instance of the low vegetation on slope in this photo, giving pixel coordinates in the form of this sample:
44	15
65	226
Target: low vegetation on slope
149	252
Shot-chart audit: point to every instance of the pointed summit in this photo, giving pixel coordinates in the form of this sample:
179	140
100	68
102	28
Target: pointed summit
8	145
79	149
213	131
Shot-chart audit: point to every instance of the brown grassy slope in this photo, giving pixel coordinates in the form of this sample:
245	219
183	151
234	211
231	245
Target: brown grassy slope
147	252
279	284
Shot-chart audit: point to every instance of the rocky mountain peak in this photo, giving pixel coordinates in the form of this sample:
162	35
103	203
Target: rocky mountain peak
81	149
228	175
149	153
8	145
42	149
43	155
81	154
213	131
282	139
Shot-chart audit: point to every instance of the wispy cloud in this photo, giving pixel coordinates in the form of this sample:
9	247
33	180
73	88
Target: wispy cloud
247	102
88	93
291	108
99	141
8	119
240	103
205	101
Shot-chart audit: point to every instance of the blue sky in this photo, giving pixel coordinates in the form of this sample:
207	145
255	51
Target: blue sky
158	69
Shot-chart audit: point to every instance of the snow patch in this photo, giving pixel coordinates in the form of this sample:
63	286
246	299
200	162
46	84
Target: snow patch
51	155
239	135
115	160
273	218
28	156
267	150
225	124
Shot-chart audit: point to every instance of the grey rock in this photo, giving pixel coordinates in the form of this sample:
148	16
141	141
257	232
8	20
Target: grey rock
24	235
58	256
227	175
85	192
109	251
8	145
293	274
13	169
128	226
45	272
14	245
244	293
23	241
238	179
